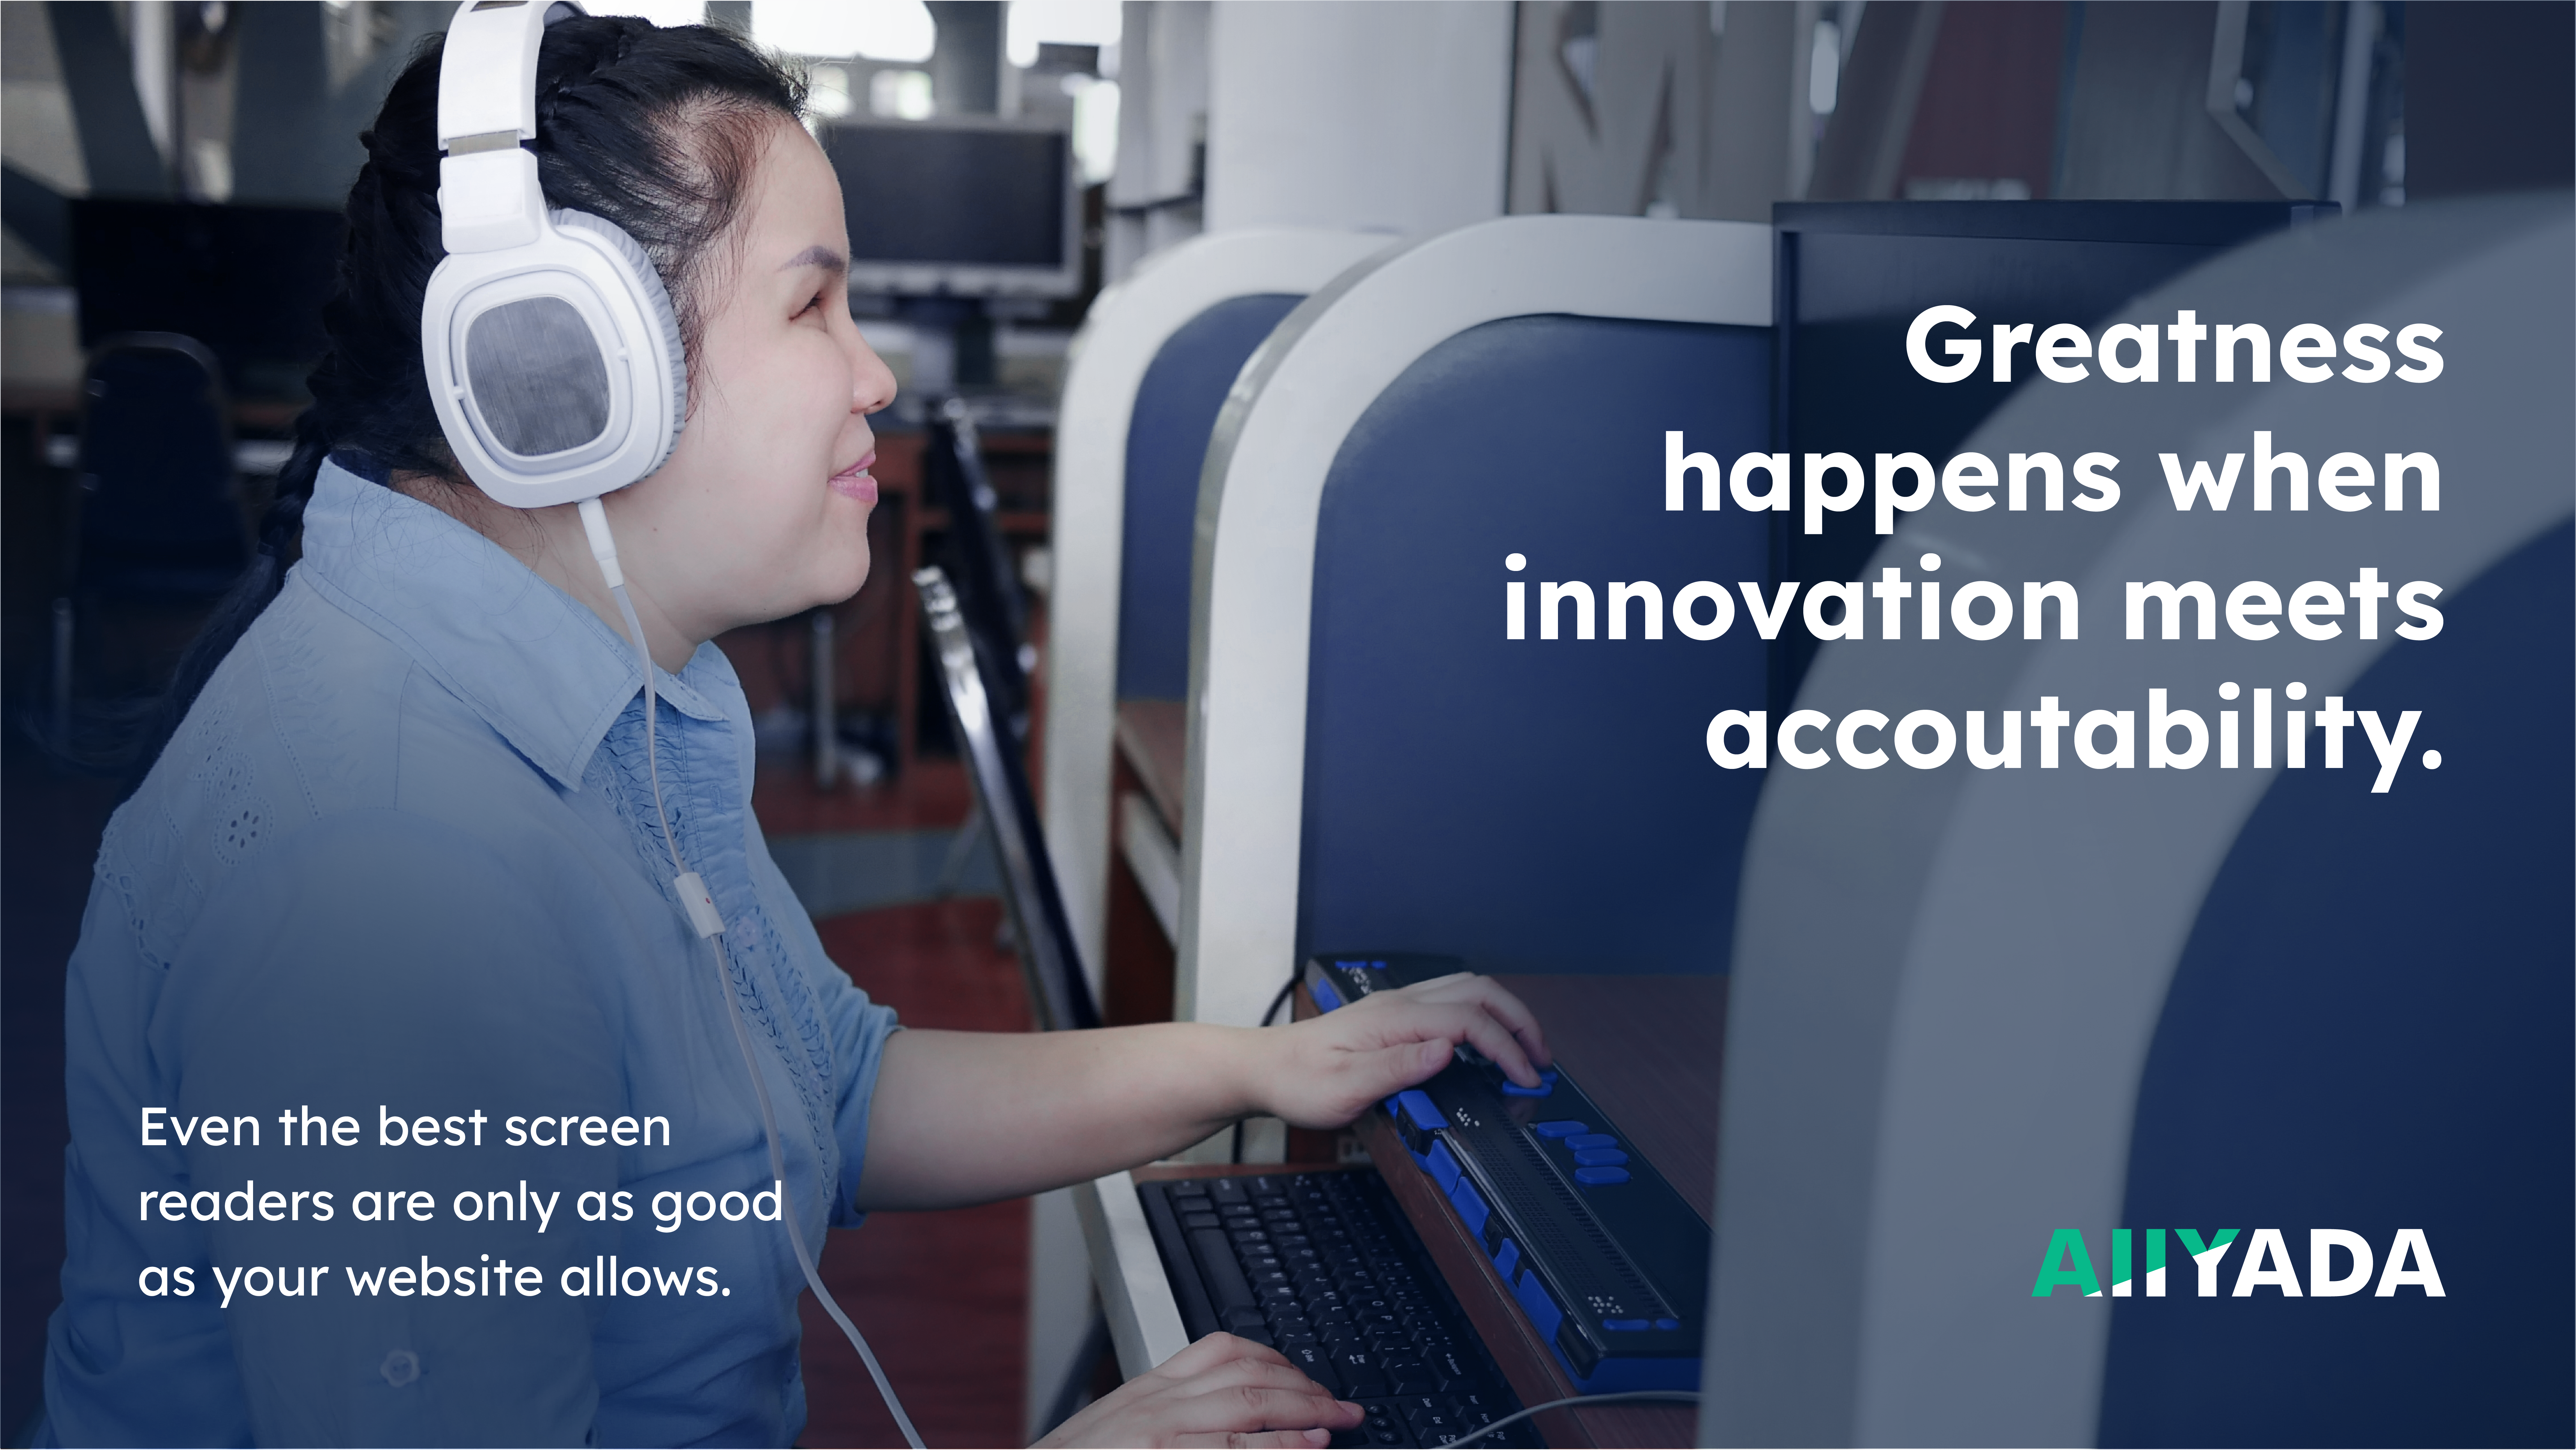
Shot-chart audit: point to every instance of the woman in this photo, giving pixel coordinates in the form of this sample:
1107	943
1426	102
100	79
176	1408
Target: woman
383	952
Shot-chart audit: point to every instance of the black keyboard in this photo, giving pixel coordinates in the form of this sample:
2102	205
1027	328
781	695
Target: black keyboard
1323	1268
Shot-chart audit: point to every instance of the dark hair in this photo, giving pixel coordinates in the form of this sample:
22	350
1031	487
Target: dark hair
655	129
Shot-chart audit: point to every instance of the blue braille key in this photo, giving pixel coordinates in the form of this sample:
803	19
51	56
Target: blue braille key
1624	1326
1581	1141
1668	1324
1598	1176
1599	1158
1546	1085
1561	1128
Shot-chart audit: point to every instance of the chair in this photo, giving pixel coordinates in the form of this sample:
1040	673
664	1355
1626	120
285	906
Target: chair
977	563
158	521
1048	955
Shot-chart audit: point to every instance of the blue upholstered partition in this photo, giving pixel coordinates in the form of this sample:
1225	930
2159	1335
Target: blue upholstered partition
1533	804
2396	967
1167	438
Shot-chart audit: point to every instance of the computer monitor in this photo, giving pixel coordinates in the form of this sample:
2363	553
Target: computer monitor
1850	277
964	206
247	281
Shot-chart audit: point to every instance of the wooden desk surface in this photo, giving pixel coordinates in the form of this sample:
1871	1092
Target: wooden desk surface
1647	1050
1154	736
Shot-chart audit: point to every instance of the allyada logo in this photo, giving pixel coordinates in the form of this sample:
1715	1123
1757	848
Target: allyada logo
2340	1262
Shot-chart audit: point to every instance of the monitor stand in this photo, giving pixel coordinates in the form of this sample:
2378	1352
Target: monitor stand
952	346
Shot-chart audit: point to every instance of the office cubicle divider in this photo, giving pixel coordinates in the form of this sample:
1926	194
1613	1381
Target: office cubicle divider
1975	1007
1328	471
1149	369
1184	323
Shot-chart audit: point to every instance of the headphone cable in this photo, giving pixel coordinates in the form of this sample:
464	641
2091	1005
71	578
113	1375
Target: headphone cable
700	909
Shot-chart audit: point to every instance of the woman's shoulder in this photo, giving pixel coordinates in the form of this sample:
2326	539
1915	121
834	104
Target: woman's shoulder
302	718
309	718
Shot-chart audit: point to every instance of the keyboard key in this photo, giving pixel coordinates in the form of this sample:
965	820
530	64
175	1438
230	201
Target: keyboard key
1580	1141
1453	1370
1316	1362
1226	1285
1600	1175
1241	1317
1668	1324
1599	1158
1432	1427
1199	1220
1411	1376
1359	1373
1627	1326
1561	1128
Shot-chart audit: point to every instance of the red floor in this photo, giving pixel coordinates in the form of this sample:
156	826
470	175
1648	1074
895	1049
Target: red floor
942	1297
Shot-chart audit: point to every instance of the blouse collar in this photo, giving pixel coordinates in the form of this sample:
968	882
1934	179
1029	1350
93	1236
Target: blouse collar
535	663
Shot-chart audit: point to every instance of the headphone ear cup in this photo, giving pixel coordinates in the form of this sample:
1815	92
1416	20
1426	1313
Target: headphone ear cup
652	298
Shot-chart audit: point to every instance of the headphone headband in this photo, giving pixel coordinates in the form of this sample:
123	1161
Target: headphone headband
487	104
553	356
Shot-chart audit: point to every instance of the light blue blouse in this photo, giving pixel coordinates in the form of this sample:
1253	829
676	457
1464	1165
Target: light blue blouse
400	861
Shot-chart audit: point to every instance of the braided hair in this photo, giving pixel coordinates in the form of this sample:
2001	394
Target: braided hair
654	129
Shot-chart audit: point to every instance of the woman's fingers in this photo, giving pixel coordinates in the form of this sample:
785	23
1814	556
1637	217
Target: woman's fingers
1212	1352
1244	1409
1464	1021
1219	1391
1485	992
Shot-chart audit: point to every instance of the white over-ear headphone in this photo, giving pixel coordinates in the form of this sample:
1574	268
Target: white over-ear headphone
553	355
555	364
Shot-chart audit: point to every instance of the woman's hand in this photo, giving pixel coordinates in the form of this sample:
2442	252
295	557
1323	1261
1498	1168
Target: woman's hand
1219	1391
969	1117
1325	1071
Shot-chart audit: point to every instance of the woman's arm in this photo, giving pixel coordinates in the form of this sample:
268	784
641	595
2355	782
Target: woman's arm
967	1117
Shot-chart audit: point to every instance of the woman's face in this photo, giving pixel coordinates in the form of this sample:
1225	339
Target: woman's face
762	508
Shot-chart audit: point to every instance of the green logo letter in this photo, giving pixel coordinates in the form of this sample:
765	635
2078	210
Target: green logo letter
2066	1263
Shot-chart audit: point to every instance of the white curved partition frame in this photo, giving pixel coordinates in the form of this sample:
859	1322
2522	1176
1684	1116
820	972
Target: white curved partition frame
1938	1023
1127	328
1275	441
